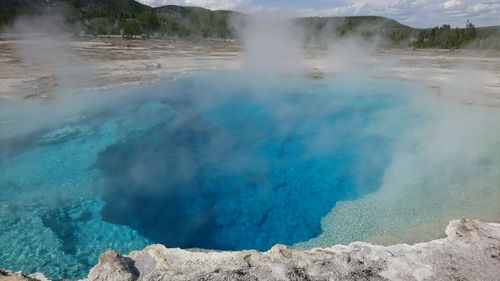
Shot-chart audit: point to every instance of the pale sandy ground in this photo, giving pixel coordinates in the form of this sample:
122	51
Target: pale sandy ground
476	74
35	68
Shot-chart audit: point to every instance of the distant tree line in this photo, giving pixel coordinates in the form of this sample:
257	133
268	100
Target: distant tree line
126	17
385	31
130	18
445	37
113	18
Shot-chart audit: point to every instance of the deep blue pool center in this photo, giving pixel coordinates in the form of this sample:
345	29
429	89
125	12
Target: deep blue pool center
212	160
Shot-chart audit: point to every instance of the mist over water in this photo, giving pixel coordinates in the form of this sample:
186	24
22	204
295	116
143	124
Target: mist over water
240	174
210	161
244	159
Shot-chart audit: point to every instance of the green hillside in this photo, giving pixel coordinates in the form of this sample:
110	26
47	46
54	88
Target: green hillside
10	9
98	17
130	18
194	22
388	31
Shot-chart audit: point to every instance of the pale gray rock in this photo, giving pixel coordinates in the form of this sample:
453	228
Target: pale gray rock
6	275
470	252
113	267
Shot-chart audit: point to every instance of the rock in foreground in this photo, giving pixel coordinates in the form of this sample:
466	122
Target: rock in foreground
9	276
470	252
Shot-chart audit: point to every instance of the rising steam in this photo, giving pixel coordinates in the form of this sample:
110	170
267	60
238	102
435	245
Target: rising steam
446	168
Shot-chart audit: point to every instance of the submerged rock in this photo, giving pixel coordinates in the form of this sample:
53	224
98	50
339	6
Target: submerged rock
471	251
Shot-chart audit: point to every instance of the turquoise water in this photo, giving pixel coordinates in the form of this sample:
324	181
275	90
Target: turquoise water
213	160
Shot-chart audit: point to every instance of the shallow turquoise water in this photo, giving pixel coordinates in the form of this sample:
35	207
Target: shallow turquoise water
217	161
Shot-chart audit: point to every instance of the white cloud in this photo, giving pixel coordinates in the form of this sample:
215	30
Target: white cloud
351	9
450	4
209	4
485	7
422	13
419	13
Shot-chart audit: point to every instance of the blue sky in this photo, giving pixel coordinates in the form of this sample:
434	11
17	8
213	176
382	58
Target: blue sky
417	13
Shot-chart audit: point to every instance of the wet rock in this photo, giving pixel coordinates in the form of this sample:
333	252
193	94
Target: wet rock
470	252
114	267
9	276
153	66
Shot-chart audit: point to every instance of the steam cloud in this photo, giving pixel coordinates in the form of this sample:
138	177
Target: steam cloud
445	169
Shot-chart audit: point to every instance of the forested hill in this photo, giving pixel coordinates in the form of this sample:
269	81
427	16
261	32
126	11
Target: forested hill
127	17
130	18
389	31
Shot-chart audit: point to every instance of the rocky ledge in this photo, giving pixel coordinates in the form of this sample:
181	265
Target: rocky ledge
471	251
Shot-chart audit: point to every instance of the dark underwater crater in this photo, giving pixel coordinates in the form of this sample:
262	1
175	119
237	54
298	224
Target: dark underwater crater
244	170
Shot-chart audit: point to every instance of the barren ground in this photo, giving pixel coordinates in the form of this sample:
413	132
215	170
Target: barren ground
31	69
37	67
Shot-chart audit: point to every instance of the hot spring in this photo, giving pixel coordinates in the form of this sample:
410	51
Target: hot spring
232	161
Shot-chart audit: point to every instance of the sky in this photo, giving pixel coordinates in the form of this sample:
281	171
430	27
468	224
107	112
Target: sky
416	13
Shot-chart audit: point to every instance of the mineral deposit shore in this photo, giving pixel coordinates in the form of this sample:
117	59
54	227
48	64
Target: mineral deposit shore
36	68
471	251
